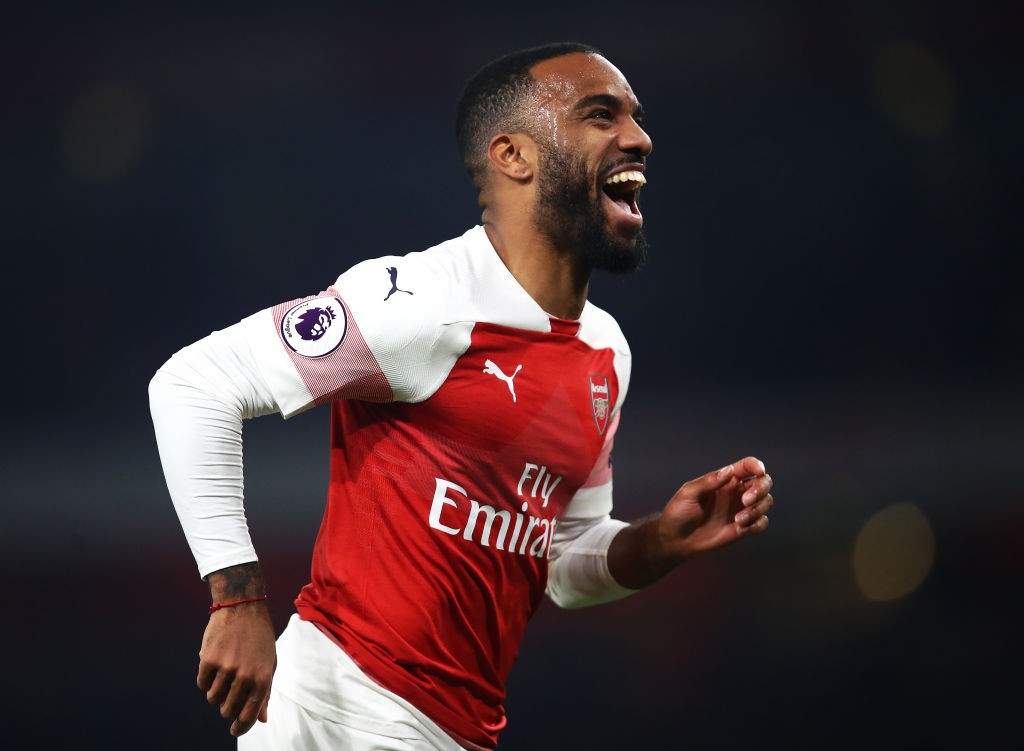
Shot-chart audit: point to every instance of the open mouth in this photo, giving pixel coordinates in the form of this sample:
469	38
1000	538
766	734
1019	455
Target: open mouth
622	189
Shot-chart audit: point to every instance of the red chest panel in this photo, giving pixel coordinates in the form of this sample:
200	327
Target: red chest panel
518	397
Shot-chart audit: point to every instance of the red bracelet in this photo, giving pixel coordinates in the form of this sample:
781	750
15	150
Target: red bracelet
219	605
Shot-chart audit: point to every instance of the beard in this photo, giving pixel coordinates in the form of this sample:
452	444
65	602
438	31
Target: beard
575	222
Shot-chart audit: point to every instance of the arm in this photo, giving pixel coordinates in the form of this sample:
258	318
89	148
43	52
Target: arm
596	559
198	400
705	514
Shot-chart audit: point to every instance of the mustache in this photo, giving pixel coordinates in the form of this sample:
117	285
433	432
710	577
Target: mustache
622	162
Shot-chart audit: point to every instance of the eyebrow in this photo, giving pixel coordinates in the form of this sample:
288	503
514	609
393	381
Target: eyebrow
607	100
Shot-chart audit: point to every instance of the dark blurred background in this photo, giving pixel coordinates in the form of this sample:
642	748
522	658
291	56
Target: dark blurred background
832	214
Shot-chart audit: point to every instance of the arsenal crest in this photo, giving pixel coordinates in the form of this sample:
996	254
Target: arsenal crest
599	400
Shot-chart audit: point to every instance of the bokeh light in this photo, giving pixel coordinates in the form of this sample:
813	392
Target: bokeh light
105	131
915	88
894	552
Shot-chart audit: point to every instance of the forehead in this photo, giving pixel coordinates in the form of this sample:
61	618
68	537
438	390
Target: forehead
570	78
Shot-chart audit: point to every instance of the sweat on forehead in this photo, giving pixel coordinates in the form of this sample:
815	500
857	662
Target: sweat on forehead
577	74
567	85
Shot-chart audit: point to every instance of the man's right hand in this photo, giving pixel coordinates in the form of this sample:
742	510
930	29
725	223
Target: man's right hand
238	656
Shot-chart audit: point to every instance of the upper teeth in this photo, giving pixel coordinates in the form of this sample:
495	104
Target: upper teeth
629	176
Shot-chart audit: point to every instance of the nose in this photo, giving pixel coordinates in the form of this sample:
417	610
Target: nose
634	140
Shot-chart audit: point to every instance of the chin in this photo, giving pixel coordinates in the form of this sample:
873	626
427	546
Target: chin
614	253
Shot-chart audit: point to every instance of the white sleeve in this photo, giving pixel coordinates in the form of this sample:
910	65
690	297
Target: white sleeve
198	400
578	574
286	359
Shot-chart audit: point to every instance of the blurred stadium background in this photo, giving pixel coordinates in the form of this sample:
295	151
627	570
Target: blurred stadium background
833	220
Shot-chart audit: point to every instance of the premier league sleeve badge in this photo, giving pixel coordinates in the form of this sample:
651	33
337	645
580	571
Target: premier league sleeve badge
315	328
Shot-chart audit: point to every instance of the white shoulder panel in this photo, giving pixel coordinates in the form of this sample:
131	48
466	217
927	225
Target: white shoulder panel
600	330
416	312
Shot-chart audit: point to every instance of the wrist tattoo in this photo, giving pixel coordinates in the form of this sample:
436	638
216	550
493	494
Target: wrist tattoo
244	580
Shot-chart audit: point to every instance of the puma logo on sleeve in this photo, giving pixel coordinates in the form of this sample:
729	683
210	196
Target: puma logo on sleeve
393	272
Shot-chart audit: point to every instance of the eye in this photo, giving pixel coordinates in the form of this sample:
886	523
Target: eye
601	115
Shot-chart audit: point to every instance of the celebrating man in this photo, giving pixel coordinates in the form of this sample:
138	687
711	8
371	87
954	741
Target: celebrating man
474	395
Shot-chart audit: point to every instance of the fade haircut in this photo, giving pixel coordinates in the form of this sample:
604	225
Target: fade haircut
494	101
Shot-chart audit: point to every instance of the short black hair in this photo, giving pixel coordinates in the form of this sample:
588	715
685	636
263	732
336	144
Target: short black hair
493	101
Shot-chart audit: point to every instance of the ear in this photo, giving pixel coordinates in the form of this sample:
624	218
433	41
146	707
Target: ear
513	155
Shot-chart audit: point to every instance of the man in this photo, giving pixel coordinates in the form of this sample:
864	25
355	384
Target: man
474	396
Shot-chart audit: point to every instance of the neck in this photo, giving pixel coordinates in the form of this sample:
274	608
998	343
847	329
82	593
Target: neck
553	278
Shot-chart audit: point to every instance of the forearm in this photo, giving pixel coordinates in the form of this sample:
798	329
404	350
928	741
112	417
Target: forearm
578	574
200	443
198	401
636	557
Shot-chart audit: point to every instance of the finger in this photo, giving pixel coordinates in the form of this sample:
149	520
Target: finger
254	705
207	672
235	702
240	728
750	517
756	489
749	466
752	529
264	710
255	709
219	689
710	481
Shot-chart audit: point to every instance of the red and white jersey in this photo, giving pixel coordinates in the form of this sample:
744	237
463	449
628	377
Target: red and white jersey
466	425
